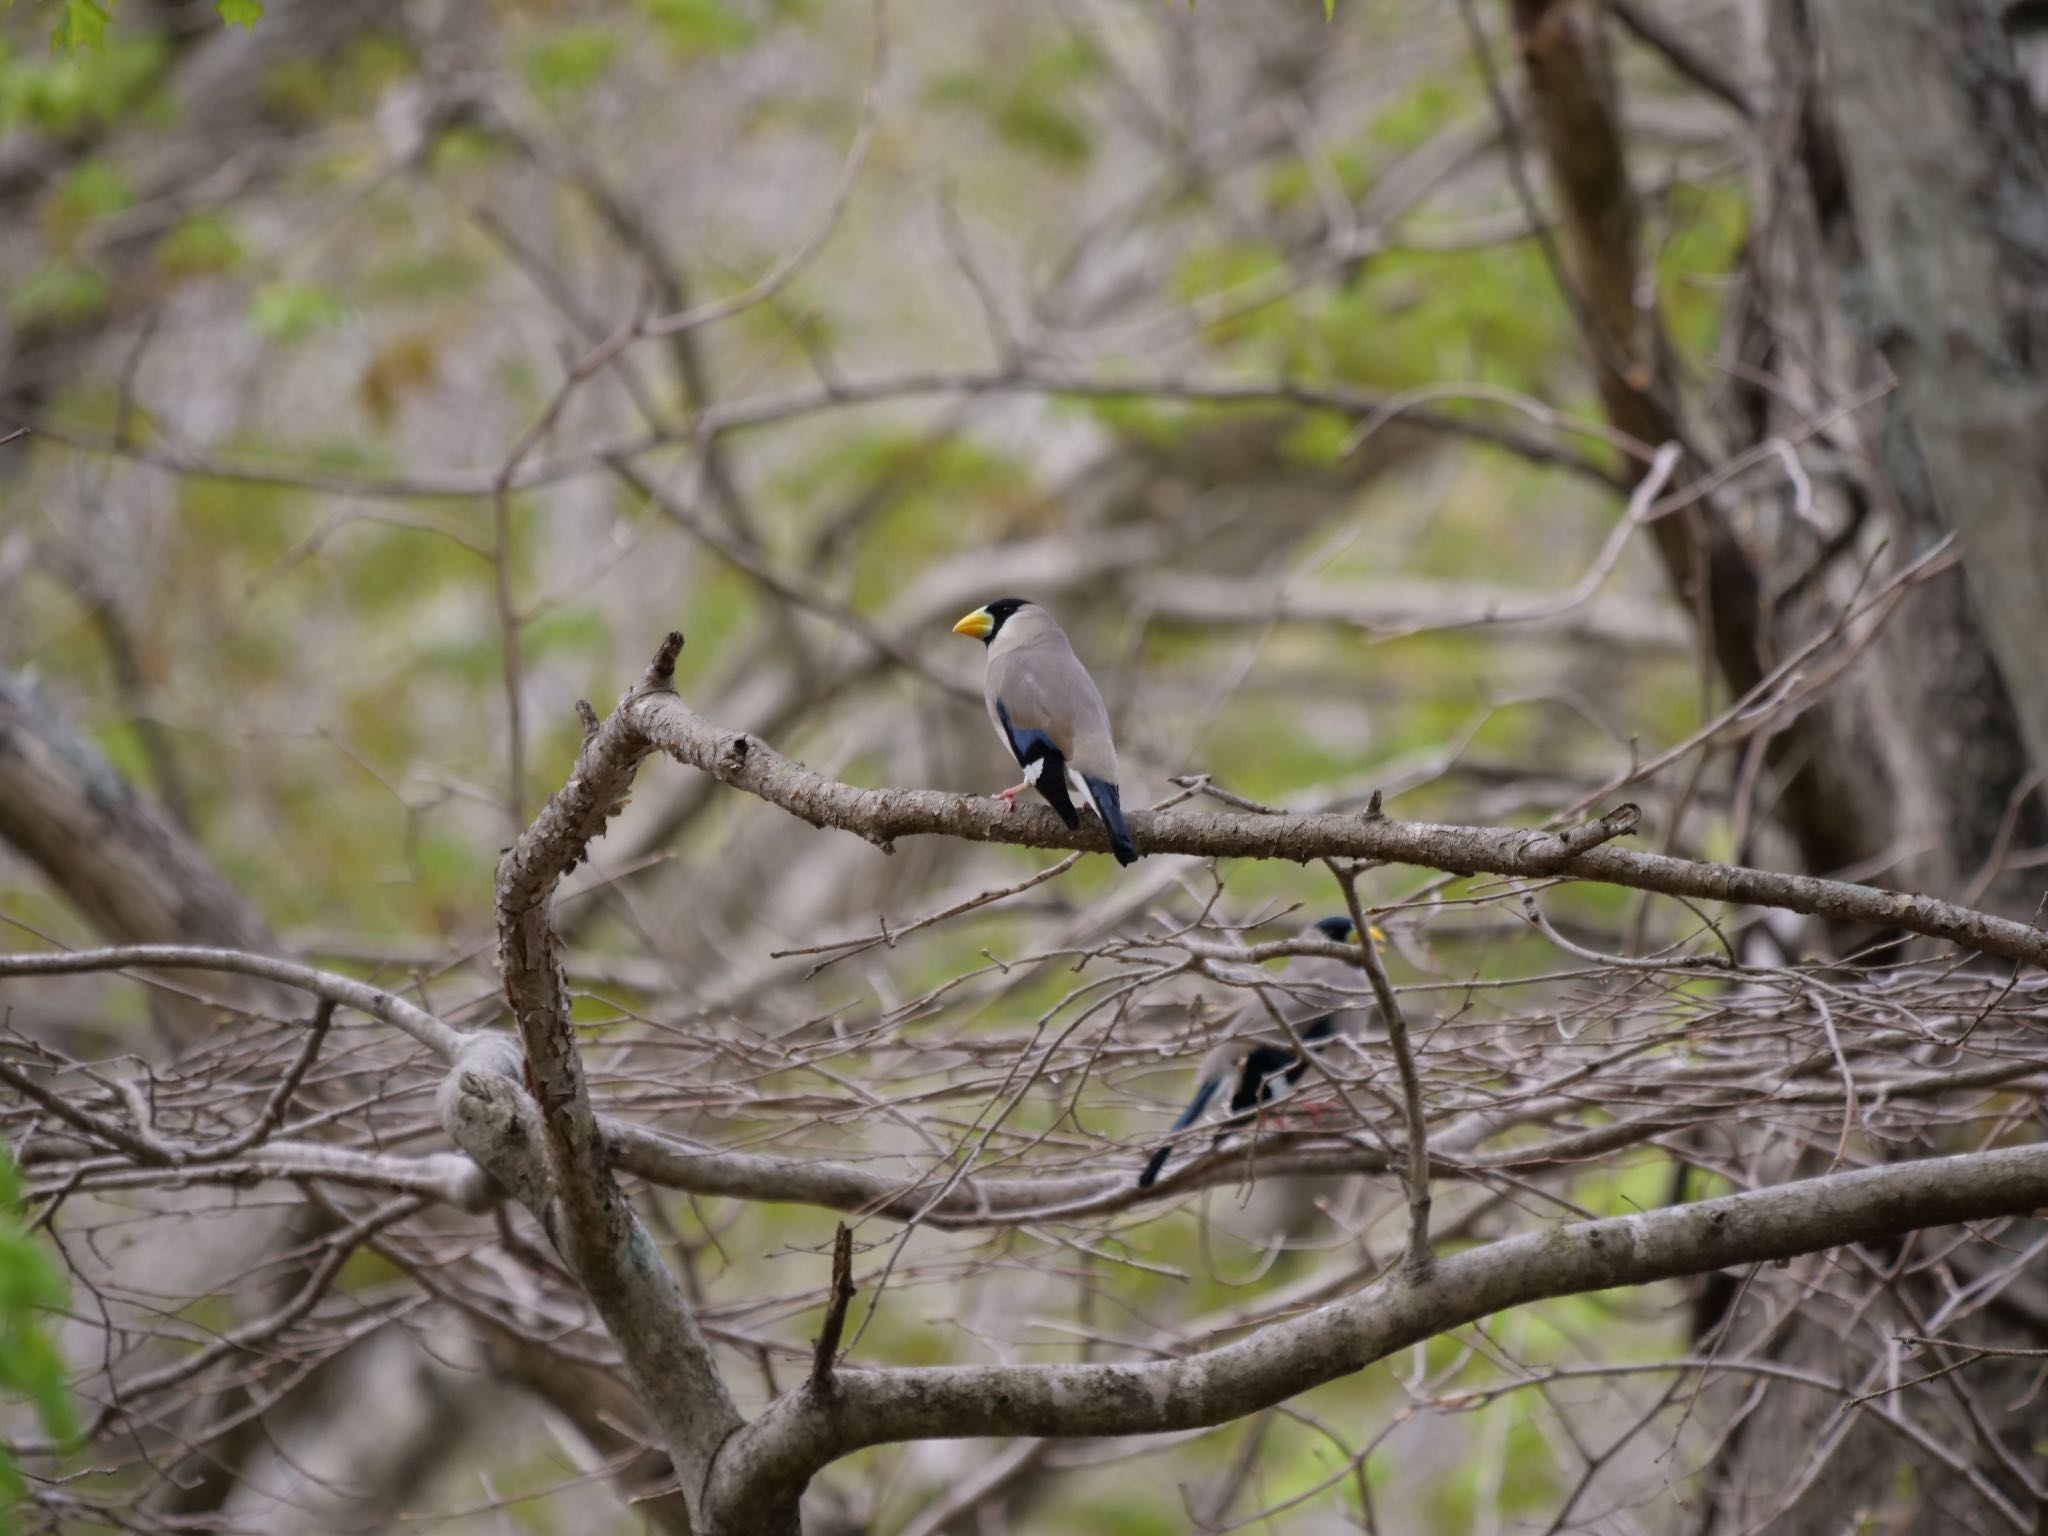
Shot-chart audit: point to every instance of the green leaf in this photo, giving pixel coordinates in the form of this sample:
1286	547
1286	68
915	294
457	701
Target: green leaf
1329	10
13	1489
1030	122
41	1369
30	1285
240	13
287	311
26	1278
81	24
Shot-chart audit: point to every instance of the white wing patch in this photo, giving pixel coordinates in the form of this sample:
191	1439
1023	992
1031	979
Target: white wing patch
1033	769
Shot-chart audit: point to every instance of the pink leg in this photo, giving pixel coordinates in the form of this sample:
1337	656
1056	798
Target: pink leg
1009	796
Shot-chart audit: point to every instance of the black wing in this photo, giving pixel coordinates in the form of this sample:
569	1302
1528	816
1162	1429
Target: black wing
1259	1079
1049	777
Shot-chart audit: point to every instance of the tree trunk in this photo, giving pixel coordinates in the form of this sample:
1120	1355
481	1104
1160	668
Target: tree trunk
1949	191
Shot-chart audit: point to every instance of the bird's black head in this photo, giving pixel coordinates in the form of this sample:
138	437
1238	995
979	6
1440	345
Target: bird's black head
986	622
1337	930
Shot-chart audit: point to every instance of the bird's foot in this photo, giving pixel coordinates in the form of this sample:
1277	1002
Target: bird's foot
1009	796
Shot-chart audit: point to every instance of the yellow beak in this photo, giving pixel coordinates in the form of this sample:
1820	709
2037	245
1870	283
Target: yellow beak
976	626
1377	936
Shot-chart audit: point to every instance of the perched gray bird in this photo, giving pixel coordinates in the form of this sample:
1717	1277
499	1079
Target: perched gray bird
1047	711
1257	1057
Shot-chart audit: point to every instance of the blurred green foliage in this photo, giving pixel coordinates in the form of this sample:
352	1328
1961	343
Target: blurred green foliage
569	62
1033	106
199	245
77	25
31	1369
57	291
698	26
291	311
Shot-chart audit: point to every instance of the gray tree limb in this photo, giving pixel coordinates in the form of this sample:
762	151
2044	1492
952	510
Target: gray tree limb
444	1040
447	1178
775	1455
883	815
592	1224
129	870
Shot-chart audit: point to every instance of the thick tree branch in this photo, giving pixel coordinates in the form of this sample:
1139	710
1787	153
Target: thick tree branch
970	1202
131	871
800	1433
448	1178
587	1215
883	815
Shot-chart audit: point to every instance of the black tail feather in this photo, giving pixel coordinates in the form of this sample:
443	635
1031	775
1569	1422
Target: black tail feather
1052	783
1109	804
1152	1166
1187	1118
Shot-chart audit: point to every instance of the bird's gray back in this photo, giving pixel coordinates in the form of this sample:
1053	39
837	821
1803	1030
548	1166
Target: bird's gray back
1321	984
1309	989
1223	1060
1038	679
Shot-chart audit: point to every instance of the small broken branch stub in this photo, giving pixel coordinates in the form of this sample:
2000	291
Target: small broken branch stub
835	1310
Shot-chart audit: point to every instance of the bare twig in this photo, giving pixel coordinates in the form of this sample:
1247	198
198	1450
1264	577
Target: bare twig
1414	1123
1684	59
281	1096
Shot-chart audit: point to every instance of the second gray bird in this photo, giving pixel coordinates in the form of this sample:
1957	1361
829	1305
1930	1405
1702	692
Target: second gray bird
1257	1058
1049	714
